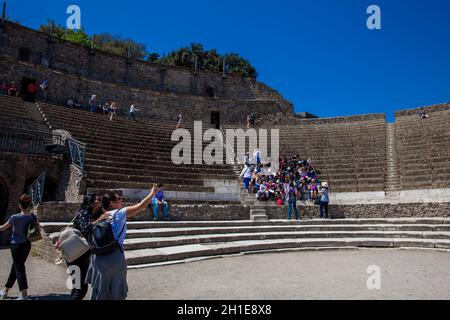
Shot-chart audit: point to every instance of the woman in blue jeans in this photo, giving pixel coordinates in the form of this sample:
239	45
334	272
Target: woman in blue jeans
20	247
292	200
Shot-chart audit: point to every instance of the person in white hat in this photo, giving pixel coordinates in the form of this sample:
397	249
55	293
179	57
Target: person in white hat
324	200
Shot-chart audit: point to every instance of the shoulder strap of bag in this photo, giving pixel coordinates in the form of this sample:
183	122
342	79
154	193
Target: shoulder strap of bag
123	227
70	224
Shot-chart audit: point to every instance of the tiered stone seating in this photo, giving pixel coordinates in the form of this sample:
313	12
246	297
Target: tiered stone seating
350	154
156	242
132	155
19	132
14	115
423	147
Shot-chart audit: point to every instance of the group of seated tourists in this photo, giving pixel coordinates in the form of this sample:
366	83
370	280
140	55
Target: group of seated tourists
268	186
9	88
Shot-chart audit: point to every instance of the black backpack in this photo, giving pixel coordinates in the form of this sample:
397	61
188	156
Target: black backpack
103	241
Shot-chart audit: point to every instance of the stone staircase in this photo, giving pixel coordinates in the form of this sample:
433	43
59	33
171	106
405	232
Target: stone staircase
393	183
128	155
153	243
259	214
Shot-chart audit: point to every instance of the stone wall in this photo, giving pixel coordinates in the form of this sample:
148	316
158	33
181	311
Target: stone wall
368	211
287	118
64	212
433	108
16	169
163	106
96	65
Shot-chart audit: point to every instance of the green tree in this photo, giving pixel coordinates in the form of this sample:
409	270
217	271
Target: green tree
236	63
209	60
61	32
120	46
153	57
77	36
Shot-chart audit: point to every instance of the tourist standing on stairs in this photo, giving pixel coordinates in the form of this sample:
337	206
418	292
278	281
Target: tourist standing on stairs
179	120
247	175
324	200
20	247
132	113
292	194
257	156
44	89
113	108
92	104
108	272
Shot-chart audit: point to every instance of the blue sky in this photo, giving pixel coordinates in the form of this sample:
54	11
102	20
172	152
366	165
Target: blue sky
319	54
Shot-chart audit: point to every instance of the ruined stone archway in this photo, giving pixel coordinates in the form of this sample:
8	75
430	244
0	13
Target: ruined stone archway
50	188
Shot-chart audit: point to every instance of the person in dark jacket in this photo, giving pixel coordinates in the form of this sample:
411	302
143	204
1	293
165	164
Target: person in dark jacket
89	211
20	247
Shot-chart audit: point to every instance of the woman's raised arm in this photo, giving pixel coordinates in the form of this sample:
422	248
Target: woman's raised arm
134	210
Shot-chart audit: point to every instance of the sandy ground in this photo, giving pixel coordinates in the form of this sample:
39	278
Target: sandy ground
404	274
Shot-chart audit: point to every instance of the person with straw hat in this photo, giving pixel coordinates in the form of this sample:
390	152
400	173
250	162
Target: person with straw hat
324	200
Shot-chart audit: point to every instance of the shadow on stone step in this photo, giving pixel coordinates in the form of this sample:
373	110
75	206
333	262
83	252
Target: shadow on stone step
53	297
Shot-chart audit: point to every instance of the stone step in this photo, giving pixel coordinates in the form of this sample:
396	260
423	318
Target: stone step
169	232
156	242
55	226
114	185
259	217
173	253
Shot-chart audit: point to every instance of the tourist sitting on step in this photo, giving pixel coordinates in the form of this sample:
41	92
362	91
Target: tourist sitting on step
279	199
423	114
262	195
159	201
12	89
70	103
3	88
105	109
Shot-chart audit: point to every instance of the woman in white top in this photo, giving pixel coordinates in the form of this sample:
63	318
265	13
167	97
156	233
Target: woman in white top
113	108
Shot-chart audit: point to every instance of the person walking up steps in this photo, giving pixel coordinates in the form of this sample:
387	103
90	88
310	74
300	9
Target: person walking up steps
20	247
132	113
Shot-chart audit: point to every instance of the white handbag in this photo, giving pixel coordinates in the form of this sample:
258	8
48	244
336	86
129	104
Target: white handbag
72	244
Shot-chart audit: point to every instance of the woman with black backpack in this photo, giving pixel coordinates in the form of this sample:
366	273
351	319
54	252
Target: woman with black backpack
107	272
20	247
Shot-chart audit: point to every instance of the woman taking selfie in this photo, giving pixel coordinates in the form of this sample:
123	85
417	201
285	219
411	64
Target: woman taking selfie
108	271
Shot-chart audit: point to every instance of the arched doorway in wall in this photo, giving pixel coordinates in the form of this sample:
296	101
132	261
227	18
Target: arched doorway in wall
4	201
50	188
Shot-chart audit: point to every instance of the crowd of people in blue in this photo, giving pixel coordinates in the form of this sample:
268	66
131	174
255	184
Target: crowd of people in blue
296	179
